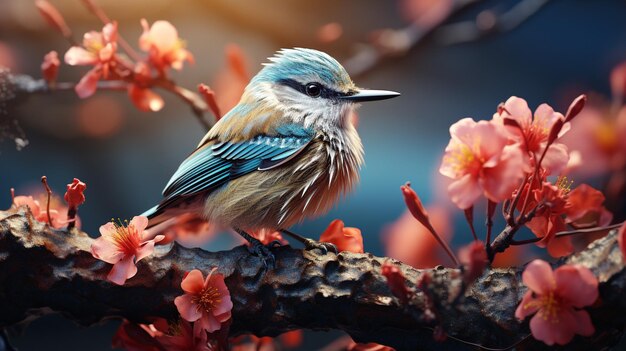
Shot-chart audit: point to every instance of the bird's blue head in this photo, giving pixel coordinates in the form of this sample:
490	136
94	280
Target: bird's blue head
311	88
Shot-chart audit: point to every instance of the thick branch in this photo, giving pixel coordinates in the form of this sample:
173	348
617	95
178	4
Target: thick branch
44	270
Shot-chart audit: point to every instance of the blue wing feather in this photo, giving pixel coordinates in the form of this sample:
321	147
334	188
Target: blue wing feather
212	165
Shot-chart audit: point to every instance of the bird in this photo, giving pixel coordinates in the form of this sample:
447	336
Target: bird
286	152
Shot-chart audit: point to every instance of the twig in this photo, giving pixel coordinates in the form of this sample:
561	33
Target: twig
488	22
28	85
44	181
570	232
399	41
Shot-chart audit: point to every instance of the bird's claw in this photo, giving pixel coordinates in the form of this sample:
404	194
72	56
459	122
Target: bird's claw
324	247
263	252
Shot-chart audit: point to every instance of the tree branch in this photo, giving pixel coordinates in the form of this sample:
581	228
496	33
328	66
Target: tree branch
44	270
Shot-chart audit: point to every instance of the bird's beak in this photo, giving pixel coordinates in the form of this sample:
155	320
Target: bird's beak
370	95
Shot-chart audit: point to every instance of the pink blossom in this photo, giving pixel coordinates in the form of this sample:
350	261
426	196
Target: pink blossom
74	196
480	162
50	67
162	43
182	338
206	301
532	133
549	220
159	336
57	215
556	299
584	208
344	238
123	246
98	50
136	337
599	138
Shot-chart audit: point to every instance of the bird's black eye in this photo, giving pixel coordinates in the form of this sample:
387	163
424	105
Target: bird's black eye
313	90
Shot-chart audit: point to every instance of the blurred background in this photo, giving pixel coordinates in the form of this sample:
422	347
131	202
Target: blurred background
447	62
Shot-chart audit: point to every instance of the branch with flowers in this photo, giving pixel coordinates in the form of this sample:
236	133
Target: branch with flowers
125	69
373	299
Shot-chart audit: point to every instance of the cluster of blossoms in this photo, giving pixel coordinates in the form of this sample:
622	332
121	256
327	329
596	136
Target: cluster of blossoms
54	212
114	64
509	160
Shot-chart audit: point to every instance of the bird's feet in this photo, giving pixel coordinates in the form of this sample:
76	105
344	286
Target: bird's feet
310	244
262	251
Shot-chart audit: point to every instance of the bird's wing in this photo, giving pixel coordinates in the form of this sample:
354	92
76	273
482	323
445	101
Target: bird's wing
213	164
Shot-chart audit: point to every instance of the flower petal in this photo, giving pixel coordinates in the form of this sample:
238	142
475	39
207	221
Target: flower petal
88	84
146	249
583	323
122	270
105	250
526	307
139	222
78	56
108	230
188	310
518	110
464	191
577	285
550	332
538	277
193	283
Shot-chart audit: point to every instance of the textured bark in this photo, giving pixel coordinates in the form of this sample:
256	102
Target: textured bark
43	270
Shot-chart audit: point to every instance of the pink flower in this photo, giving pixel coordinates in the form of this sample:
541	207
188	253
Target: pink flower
346	239
598	136
162	43
74	196
136	337
584	208
557	298
206	301
549	220
182	338
98	50
532	132
57	215
407	240
123	246
50	67
474	259
479	161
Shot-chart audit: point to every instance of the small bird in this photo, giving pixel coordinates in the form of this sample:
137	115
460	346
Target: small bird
286	152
